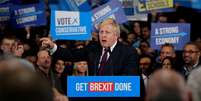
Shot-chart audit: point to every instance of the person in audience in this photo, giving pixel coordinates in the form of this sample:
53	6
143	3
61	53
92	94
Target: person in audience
43	68
191	57
167	50
194	82
60	70
81	68
146	63
21	83
167	85
7	43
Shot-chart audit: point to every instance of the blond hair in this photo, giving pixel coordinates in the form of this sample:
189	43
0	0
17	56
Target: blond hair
112	22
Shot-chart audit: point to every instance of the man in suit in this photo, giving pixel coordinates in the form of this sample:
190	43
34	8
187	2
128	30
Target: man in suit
118	60
167	85
111	57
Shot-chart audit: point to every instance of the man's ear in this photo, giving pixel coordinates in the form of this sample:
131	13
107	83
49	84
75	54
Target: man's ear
174	55
199	54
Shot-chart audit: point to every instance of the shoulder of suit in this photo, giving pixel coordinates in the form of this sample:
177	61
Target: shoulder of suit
123	46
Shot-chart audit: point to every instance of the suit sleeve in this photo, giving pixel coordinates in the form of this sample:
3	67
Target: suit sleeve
69	54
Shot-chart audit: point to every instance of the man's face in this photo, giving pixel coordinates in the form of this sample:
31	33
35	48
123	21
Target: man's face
44	59
107	35
131	38
145	64
7	45
145	33
191	54
167	51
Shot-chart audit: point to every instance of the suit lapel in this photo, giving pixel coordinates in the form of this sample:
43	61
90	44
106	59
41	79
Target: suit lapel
113	55
96	60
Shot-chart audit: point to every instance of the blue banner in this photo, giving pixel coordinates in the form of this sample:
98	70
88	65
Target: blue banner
112	9
70	25
28	15
103	86
74	5
196	4
177	34
5	13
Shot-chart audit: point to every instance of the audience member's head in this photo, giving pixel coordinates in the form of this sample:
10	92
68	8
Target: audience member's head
167	85
59	67
167	50
43	60
137	28
7	43
81	67
168	63
194	82
145	33
20	83
145	64
191	54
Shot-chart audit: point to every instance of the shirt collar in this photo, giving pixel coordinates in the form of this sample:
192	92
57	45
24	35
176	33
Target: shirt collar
112	47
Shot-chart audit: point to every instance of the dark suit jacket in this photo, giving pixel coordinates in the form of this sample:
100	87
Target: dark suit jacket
123	60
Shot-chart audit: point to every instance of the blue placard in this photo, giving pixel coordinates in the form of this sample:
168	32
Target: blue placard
70	25
74	5
177	34
112	9
5	13
196	4
28	15
103	86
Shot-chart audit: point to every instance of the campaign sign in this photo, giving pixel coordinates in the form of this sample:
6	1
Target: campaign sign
156	5
28	15
130	9
177	34
70	25
74	5
112	9
5	12
196	4
103	86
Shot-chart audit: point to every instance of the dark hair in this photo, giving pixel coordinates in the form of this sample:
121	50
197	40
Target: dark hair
196	44
172	61
167	45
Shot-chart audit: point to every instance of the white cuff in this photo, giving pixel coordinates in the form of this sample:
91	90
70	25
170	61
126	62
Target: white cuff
53	50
